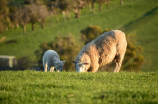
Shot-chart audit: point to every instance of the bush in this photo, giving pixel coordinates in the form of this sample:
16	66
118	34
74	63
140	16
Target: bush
133	60
90	33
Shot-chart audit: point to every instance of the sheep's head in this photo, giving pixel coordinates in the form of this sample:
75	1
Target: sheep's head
80	67
59	65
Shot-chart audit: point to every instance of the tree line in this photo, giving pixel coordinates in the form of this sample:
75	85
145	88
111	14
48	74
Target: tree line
14	14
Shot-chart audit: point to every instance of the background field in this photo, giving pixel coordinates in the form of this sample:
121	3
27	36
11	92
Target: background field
139	17
25	87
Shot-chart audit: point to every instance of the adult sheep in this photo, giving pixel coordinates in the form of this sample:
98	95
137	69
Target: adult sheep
50	60
105	48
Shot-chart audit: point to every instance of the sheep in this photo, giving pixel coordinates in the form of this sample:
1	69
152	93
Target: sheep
105	48
50	60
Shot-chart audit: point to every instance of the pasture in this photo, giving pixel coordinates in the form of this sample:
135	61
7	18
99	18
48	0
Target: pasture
32	87
134	17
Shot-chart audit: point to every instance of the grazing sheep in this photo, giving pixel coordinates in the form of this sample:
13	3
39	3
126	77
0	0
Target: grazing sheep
50	60
101	51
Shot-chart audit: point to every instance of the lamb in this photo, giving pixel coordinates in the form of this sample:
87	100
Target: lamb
105	48
50	60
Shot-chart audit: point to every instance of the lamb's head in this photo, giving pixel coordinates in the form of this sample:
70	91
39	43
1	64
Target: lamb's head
59	65
81	67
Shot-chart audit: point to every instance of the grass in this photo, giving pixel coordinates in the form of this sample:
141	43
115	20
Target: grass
25	87
134	17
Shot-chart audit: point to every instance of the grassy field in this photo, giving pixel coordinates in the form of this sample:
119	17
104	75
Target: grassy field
137	17
32	87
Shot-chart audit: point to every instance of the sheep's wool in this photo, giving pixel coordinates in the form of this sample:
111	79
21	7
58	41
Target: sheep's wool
102	50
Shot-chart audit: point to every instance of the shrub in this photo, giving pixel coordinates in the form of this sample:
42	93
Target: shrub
90	33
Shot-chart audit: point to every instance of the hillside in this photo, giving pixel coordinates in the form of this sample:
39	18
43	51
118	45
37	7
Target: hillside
134	17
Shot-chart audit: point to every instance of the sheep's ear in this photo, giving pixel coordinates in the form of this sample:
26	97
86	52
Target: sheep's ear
74	61
86	63
63	61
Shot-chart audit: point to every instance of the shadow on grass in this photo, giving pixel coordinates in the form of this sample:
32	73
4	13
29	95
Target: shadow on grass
122	96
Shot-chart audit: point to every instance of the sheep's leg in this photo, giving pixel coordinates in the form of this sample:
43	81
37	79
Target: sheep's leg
45	67
51	69
119	66
118	61
95	68
116	66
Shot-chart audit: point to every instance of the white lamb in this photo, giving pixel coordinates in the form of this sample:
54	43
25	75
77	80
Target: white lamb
50	60
105	48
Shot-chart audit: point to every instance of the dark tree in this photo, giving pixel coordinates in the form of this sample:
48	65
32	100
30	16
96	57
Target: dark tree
13	15
93	5
4	16
66	7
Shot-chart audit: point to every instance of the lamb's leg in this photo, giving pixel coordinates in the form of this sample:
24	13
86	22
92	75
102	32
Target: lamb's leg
45	67
51	69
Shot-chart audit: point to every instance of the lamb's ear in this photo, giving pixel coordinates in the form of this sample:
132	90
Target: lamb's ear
63	61
86	63
74	61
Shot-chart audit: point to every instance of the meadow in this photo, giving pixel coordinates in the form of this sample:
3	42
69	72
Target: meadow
138	17
32	87
133	17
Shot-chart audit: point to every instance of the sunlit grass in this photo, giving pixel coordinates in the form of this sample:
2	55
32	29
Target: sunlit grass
71	87
115	17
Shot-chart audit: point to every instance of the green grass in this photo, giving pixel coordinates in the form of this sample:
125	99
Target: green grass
25	87
137	17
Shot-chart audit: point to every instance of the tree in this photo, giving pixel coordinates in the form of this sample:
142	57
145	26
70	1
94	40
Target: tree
38	12
34	15
78	5
66	47
121	2
65	6
13	15
53	8
101	2
93	5
4	16
43	13
107	4
23	17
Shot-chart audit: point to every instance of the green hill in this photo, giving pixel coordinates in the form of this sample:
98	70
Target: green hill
137	17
